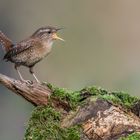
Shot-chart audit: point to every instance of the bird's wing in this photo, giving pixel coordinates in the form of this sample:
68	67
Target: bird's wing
20	47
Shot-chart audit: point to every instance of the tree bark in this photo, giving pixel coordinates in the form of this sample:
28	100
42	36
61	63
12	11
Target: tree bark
35	93
89	114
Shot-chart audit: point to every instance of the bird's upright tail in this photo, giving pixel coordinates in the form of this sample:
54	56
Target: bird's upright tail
6	43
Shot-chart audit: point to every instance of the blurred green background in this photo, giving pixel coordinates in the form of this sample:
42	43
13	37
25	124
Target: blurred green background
102	48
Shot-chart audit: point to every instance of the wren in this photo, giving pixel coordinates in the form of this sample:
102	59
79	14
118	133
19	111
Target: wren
31	50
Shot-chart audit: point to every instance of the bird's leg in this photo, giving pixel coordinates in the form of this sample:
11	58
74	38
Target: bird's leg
32	72
22	79
16	67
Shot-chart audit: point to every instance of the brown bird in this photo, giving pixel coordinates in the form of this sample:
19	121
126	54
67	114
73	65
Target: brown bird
31	50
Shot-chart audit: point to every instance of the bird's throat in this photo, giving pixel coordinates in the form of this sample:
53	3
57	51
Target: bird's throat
47	45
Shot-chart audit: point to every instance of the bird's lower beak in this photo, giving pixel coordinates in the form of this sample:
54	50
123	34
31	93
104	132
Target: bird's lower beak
56	37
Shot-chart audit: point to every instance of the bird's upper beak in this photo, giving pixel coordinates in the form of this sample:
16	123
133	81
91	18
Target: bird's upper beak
54	36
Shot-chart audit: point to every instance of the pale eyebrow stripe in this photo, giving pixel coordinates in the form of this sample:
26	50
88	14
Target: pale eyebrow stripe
44	30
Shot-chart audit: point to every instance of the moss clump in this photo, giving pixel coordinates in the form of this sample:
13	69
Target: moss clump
45	125
120	98
126	99
133	136
72	98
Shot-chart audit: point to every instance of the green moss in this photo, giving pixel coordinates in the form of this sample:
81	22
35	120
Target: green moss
45	125
120	98
126	99
72	98
133	136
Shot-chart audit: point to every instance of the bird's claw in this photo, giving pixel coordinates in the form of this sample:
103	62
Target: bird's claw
27	81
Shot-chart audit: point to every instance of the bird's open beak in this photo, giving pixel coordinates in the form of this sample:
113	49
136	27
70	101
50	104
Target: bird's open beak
56	37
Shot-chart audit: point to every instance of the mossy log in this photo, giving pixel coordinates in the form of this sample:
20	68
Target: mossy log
89	114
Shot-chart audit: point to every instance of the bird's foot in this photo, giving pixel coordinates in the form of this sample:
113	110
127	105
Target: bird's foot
27	81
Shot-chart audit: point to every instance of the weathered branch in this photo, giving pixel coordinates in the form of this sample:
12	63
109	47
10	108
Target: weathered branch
101	120
35	93
88	114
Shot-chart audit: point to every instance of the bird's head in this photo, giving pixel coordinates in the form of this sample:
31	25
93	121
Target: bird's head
47	33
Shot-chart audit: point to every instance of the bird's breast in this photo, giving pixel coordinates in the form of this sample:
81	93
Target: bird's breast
39	52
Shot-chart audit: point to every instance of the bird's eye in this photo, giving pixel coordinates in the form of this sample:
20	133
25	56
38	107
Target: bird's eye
49	32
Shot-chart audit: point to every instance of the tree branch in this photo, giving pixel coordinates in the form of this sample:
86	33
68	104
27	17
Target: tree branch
88	114
35	93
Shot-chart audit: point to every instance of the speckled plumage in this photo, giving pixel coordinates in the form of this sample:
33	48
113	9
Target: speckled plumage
28	52
5	42
31	50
